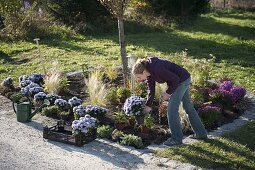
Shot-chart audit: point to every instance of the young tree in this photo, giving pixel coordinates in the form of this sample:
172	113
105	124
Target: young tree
117	8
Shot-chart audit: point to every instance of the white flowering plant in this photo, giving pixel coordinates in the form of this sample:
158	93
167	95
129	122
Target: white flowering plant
134	106
83	125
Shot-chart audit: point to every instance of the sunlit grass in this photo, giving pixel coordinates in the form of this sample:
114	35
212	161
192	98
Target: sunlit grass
232	151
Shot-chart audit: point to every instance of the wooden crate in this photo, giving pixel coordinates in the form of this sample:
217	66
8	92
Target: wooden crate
64	135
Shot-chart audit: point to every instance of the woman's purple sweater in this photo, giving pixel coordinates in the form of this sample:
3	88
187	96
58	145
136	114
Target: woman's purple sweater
163	71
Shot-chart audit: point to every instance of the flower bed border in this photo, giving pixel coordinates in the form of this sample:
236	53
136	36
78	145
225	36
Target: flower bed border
65	136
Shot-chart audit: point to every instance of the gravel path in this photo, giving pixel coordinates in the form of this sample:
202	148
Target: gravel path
22	147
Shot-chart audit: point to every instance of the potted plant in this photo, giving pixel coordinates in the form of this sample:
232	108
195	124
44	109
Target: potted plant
39	99
120	120
96	111
134	106
84	127
148	124
117	135
79	111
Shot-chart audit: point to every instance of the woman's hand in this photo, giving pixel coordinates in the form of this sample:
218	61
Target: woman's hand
165	96
146	109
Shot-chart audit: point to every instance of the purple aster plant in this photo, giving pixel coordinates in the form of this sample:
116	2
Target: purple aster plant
74	101
226	85
96	111
237	93
83	124
31	89
52	98
8	82
134	106
80	110
40	96
61	103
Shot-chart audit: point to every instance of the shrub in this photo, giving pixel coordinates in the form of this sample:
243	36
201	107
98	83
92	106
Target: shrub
96	111
132	140
50	111
209	114
123	93
112	97
120	117
148	121
104	131
117	135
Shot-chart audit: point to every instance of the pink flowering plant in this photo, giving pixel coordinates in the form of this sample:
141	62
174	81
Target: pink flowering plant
83	125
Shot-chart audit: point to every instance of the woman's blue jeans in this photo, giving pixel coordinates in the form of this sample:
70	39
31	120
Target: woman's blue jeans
182	94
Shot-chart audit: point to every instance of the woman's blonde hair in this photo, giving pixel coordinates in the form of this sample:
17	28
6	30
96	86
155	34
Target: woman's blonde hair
140	66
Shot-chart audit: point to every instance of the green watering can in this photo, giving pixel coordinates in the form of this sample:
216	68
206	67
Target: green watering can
24	110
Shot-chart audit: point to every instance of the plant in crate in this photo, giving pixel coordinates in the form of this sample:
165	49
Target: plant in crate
84	128
120	120
134	106
209	114
96	111
148	124
50	111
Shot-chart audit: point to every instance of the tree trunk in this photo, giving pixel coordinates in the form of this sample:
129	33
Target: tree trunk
123	49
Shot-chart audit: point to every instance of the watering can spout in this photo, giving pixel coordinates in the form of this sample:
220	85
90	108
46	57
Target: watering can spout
45	103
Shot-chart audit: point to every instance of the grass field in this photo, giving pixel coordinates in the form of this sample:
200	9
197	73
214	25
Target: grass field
229	37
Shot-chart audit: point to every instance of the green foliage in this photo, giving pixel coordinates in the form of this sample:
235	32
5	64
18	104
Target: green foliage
117	135
112	97
64	84
50	111
123	93
111	73
63	115
209	117
82	15
132	140
18	97
104	131
120	117
141	89
24	23
148	121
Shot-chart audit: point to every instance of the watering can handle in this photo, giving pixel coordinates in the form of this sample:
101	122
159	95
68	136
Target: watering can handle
13	106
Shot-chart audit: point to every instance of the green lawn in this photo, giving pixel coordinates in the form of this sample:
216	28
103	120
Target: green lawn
235	150
228	36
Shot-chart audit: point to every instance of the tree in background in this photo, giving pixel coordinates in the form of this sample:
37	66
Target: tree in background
117	8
